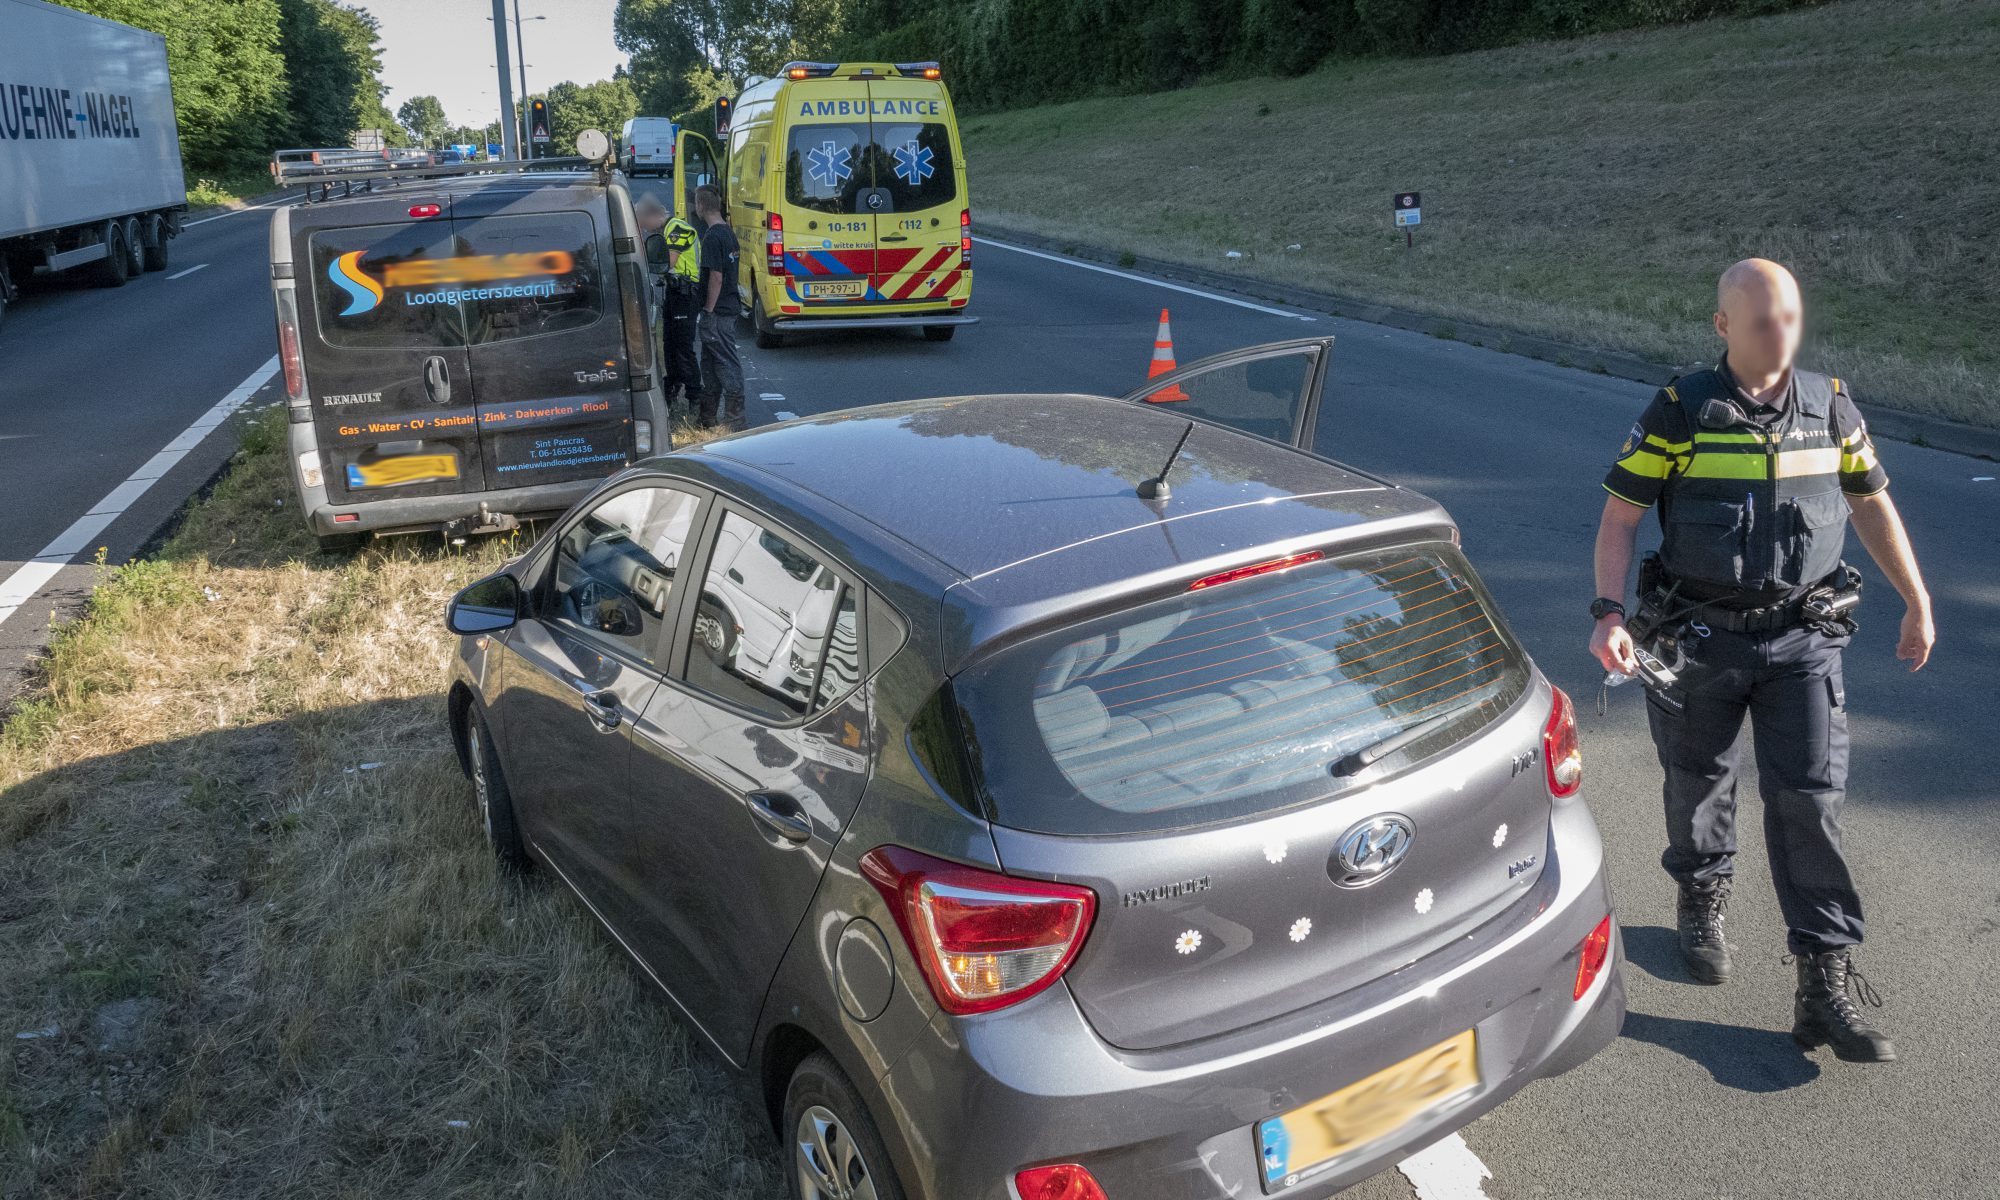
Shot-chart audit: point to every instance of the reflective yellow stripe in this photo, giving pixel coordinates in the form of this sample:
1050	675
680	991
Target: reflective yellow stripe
1858	461
1646	464
1725	466
1734	439
1854	437
1653	439
1793	463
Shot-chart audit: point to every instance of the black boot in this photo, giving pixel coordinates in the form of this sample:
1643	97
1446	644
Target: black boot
1700	919
1825	1013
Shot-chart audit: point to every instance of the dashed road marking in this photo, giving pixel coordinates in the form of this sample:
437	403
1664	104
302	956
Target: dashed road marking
1446	1170
17	589
1159	283
774	399
191	270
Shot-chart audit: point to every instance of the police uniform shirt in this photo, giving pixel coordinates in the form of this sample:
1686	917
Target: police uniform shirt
1653	454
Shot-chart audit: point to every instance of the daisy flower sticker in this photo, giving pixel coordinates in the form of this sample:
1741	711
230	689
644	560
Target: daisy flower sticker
1301	927
1188	942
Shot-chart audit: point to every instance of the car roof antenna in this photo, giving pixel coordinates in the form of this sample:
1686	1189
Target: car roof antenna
1157	488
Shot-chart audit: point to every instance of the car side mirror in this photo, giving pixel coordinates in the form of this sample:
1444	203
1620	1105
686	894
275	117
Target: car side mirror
488	606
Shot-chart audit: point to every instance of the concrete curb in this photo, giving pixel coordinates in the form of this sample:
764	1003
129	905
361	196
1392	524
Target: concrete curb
1919	429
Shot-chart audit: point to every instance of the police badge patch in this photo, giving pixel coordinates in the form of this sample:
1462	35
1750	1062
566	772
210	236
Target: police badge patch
1632	441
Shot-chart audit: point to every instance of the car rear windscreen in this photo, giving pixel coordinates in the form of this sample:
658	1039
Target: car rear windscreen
1238	699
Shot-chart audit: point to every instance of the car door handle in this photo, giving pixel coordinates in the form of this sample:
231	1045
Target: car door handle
781	815
602	709
437	380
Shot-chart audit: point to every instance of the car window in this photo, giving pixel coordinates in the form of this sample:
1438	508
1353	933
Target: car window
775	628
826	166
615	568
1239	698
913	162
1260	396
364	294
526	275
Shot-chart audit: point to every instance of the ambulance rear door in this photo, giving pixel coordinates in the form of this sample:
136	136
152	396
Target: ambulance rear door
828	200
917	195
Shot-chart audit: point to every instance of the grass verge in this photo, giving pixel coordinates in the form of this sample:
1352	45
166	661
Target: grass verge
232	192
1587	190
248	921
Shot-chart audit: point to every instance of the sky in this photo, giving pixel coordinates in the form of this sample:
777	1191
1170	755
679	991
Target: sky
444	48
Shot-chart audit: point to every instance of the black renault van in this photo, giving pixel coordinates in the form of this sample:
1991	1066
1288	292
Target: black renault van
463	347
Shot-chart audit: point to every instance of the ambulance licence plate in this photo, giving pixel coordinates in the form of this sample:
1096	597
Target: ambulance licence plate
1292	1145
849	288
408	468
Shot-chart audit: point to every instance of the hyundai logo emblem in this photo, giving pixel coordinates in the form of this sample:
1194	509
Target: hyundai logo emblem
1371	850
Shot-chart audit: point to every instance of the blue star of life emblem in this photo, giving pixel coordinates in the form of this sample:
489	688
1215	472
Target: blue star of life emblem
827	165
913	163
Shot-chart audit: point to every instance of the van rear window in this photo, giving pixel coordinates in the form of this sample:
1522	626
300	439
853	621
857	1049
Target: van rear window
1239	699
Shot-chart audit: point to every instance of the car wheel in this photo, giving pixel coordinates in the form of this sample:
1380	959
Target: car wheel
767	337
490	794
154	244
939	333
715	633
835	1151
116	266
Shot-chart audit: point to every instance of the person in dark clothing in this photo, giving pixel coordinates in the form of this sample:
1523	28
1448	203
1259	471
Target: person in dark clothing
1755	467
721	369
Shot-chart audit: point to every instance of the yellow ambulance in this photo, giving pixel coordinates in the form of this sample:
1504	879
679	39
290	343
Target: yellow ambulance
845	184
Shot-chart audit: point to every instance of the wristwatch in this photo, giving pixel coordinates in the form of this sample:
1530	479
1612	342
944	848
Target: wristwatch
1603	607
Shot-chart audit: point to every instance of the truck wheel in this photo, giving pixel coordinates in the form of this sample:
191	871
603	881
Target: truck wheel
135	249
155	243
767	337
939	333
116	266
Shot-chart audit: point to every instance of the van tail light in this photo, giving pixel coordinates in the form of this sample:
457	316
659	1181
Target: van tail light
638	322
1064	1181
1591	956
984	940
774	244
289	355
964	239
1562	754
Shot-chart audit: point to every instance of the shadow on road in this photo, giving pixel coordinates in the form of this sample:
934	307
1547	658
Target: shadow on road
1656	951
1747	1060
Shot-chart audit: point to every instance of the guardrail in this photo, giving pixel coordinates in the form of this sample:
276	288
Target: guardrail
322	171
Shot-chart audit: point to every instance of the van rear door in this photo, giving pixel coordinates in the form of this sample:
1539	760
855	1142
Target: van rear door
829	230
547	336
918	197
385	353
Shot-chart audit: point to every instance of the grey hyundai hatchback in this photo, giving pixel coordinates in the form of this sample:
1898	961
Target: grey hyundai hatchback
1055	797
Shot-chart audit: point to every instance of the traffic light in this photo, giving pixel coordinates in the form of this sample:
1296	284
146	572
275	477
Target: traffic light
538	128
721	115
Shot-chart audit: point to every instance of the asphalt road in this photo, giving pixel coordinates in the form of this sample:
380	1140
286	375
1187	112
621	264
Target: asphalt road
1704	1096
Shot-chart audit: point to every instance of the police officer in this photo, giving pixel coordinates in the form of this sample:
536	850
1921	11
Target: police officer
674	262
1755	467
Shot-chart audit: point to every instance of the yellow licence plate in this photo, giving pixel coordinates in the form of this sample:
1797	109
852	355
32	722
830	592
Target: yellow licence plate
846	288
1365	1111
410	468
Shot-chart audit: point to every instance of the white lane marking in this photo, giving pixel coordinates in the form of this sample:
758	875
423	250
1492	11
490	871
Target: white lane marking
1159	283
191	270
246	208
32	576
782	415
1446	1170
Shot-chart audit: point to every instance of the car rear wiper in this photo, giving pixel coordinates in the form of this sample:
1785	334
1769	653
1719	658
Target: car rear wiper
1369	755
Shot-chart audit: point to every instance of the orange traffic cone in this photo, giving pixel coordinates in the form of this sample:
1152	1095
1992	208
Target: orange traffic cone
1163	362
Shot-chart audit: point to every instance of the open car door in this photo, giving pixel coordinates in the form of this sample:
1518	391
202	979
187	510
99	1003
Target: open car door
694	165
1271	390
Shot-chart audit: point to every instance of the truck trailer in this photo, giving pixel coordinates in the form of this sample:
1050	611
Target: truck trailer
90	156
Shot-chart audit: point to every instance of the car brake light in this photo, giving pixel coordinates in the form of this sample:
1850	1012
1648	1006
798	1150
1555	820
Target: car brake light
1562	754
774	244
1591	957
1264	568
984	940
1064	1181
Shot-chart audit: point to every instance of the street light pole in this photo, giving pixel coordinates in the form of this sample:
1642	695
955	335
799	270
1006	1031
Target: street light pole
510	138
522	55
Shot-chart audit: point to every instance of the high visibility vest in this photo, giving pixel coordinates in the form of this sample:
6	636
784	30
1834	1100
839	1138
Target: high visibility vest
1750	506
682	249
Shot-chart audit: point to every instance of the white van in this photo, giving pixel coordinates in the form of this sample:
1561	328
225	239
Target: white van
646	144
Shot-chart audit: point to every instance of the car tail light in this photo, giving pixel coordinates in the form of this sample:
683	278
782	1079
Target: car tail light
984	940
964	239
1561	752
1064	1181
1591	957
288	347
1263	568
774	244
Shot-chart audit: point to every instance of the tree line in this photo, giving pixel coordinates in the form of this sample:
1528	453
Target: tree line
1011	53
253	76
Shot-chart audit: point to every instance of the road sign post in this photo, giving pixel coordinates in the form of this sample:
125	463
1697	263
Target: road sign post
1409	207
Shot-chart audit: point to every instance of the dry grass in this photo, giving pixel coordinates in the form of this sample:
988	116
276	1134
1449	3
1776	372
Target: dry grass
273	972
1589	190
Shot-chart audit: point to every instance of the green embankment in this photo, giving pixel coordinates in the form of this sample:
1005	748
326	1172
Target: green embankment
1589	190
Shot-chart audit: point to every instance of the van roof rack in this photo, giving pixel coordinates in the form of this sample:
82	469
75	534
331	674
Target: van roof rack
333	174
